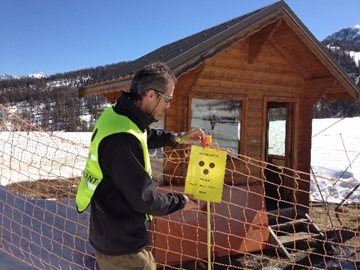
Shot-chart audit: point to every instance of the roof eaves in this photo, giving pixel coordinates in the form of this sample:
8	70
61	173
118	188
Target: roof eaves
185	60
327	59
194	56
122	83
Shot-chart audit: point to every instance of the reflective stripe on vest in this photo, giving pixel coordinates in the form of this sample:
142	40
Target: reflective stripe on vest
108	123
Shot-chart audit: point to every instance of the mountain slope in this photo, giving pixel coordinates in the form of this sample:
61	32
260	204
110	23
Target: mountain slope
52	101
348	39
344	47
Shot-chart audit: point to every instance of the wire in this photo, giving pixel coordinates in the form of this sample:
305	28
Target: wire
155	106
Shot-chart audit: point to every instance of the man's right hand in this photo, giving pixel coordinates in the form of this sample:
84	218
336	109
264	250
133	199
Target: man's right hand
190	203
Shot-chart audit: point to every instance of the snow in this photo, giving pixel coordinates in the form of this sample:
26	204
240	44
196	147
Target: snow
37	75
357	28
355	56
335	156
335	162
28	156
7	77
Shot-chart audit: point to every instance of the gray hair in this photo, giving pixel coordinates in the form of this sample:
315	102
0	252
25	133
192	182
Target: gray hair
154	76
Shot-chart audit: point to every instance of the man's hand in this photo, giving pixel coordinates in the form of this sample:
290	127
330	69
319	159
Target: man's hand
190	204
192	137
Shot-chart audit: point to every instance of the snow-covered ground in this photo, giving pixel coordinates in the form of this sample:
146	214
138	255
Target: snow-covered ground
27	156
336	154
335	157
355	56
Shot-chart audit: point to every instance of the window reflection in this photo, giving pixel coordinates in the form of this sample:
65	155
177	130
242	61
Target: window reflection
219	118
276	131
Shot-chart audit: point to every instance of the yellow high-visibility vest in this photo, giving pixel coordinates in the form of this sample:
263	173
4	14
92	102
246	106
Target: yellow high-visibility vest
108	123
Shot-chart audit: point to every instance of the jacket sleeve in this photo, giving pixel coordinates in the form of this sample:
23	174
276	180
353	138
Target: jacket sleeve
158	138
122	160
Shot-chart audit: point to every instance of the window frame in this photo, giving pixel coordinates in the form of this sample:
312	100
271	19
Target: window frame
242	99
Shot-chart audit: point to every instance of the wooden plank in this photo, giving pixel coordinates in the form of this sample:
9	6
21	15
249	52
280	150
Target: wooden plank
237	73
320	60
261	64
253	150
296	65
258	39
246	86
256	118
296	237
254	131
290	226
273	239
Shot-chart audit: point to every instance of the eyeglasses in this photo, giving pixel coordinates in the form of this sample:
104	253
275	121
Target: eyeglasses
167	98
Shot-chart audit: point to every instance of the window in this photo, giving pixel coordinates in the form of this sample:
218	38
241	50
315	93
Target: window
276	131
219	118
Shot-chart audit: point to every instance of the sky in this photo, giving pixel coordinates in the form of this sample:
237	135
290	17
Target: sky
68	35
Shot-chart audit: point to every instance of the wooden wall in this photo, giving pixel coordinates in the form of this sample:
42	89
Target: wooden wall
271	77
229	74
275	64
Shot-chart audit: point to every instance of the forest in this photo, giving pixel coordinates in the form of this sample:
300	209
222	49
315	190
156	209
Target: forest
53	104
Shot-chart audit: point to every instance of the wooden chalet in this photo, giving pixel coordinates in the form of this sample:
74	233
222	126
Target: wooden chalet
268	66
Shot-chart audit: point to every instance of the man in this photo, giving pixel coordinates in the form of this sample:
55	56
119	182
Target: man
117	178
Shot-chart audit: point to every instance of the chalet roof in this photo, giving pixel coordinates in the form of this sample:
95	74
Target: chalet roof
187	53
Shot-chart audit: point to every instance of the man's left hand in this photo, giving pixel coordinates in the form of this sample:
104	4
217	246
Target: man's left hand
192	137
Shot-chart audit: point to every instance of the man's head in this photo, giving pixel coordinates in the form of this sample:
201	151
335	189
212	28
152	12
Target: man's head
154	86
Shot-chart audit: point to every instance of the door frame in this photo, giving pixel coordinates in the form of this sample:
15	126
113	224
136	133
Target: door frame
290	160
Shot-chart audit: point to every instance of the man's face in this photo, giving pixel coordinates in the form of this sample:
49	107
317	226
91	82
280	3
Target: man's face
161	101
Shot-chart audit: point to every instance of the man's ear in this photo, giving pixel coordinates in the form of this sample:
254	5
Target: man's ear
150	93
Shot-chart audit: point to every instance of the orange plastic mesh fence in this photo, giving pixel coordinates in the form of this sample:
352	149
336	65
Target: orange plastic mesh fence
266	219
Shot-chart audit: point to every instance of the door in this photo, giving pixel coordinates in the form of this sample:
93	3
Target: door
279	154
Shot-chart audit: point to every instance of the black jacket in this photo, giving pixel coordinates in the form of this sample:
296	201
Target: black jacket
127	192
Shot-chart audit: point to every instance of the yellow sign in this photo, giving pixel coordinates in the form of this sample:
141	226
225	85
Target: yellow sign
205	175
